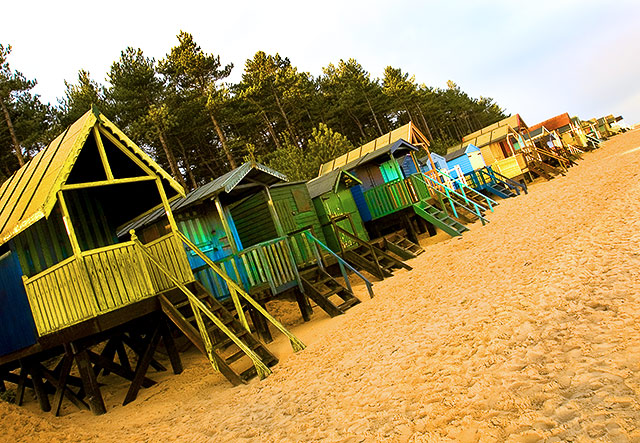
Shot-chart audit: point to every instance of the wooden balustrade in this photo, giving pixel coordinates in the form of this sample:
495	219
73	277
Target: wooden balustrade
101	280
270	262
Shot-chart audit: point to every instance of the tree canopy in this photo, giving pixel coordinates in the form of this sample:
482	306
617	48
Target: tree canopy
184	113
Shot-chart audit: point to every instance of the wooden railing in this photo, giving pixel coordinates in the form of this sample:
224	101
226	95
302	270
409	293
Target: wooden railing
271	262
511	166
101	280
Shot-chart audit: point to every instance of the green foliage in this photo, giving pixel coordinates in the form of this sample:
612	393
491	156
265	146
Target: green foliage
181	111
303	164
24	119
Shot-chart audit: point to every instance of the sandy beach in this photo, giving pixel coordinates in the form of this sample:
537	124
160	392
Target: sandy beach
524	330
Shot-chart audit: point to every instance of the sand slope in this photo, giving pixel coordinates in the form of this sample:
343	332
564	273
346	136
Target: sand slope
524	330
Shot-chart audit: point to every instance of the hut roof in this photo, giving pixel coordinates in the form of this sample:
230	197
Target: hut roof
329	182
515	122
228	183
553	123
398	145
407	132
30	194
491	134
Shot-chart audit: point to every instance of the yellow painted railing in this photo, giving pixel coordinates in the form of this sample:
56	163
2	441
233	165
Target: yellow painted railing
510	167
101	280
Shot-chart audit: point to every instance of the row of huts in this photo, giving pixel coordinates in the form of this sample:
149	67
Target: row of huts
104	256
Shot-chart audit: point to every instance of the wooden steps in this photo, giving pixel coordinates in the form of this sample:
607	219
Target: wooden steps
401	246
321	287
439	218
501	190
233	362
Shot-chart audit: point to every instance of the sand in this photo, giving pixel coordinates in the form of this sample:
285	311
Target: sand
523	330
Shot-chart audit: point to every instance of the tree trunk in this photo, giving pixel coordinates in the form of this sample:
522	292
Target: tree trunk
274	136
171	158
373	113
16	145
424	122
292	133
355	119
223	140
187	165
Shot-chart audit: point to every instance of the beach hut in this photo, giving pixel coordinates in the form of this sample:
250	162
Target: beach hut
393	192
569	129
263	231
69	283
506	150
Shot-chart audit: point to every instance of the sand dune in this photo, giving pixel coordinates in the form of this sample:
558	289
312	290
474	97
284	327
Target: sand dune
524	330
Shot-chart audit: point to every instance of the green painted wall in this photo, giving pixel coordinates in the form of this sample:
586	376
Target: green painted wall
295	209
253	220
332	204
43	245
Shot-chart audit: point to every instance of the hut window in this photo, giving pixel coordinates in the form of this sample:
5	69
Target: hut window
303	202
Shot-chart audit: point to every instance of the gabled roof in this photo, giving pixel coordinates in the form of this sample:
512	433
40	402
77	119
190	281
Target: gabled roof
329	182
227	183
553	123
407	132
399	145
30	194
515	122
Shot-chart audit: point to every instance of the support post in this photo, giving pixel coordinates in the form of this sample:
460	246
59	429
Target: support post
89	381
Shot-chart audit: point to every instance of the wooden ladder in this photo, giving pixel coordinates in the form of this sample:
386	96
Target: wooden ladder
402	246
321	287
229	358
368	257
439	218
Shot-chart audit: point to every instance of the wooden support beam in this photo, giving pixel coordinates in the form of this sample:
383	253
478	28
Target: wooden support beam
102	362
122	356
260	324
303	303
38	387
61	385
142	366
22	380
113	181
89	381
138	346
170	346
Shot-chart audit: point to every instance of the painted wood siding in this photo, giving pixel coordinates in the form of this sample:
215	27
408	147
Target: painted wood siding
335	204
42	245
202	225
17	329
294	205
253	220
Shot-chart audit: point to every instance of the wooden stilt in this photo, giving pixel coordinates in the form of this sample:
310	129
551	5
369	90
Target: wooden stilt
142	366
304	305
138	347
170	346
101	362
122	355
38	387
61	386
109	353
22	380
411	232
89	381
261	325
